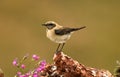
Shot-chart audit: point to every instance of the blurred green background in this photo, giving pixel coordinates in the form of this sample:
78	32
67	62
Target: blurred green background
21	32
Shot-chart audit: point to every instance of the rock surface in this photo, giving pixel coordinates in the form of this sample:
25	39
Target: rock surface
65	66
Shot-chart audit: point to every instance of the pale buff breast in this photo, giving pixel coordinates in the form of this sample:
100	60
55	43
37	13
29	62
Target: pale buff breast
57	38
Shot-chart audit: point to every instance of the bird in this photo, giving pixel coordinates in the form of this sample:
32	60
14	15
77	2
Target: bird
59	34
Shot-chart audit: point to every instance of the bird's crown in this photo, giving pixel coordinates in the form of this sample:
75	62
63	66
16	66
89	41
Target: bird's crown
50	24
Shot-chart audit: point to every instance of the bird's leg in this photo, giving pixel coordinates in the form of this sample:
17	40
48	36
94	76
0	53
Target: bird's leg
57	50
62	46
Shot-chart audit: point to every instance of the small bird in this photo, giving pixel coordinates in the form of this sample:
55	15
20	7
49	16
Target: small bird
58	33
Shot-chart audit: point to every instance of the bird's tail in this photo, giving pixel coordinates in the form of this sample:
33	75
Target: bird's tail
75	29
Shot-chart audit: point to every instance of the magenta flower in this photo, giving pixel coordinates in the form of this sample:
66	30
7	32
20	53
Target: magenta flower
39	67
19	73
35	75
43	63
22	66
15	62
35	57
22	76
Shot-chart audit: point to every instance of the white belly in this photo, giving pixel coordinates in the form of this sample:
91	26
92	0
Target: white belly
58	38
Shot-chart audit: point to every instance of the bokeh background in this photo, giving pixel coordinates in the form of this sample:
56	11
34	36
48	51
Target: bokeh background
21	32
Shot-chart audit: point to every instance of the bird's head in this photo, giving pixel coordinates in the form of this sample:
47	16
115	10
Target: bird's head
50	24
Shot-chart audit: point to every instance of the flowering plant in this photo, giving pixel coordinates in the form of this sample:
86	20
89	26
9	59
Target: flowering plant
63	66
34	72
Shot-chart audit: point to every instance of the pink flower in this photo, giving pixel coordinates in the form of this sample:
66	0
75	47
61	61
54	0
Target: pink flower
15	62
35	75
31	73
22	66
43	63
27	74
41	66
19	73
35	57
39	69
22	76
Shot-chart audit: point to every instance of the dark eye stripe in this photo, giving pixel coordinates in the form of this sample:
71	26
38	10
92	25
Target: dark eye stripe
51	24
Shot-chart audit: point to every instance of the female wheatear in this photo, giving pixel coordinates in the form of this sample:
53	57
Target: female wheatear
58	33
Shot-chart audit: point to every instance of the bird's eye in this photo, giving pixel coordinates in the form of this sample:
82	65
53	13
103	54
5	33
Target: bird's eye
51	24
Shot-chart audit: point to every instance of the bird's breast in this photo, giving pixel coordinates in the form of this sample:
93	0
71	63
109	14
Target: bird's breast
57	38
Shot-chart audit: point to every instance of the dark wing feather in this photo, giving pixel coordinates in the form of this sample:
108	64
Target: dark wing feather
66	30
63	31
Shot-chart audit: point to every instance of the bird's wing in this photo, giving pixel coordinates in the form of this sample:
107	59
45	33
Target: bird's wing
63	31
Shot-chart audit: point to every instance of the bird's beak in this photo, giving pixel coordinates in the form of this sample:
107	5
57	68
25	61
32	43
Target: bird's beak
43	24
